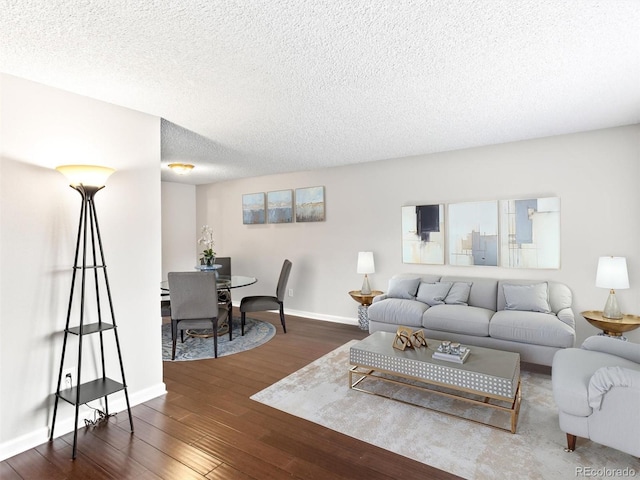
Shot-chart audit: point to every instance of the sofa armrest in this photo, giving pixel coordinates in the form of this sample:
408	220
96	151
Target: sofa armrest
378	298
606	378
566	316
613	346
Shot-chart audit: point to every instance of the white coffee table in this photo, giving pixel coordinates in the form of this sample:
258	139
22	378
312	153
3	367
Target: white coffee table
491	376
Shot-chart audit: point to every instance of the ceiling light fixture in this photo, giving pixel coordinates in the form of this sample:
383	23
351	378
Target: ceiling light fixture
181	168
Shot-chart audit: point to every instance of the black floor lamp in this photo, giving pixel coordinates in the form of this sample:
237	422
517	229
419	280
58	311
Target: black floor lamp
88	262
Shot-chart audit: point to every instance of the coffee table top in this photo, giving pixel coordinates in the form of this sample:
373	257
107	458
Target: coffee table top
486	371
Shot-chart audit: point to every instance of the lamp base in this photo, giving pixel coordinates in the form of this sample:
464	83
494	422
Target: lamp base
366	288
611	309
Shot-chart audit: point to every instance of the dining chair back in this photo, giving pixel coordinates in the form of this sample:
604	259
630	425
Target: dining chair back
194	305
260	303
225	270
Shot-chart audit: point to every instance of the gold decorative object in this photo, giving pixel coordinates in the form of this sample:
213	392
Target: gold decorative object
402	339
406	338
417	339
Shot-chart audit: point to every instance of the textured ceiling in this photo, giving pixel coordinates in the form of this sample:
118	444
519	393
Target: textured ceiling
257	87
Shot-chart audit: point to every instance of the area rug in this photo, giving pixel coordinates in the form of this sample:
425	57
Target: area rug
256	333
320	393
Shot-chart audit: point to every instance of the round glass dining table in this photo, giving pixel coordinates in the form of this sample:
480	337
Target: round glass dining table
224	282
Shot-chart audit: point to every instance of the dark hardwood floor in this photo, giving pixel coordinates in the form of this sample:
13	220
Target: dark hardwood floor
206	427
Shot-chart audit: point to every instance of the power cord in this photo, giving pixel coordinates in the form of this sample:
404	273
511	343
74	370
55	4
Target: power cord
99	418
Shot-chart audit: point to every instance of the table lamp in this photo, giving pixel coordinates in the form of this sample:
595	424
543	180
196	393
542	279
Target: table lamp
612	274
366	266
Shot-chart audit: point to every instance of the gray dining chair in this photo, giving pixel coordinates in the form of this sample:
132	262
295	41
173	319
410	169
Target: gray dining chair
261	303
194	305
225	269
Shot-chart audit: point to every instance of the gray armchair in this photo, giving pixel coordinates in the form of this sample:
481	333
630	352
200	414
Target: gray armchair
194	304
262	303
597	391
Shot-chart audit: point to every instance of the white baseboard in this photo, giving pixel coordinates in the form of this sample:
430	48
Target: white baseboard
118	404
315	316
64	424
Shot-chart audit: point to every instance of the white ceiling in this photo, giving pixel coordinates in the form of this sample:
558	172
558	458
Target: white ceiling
257	87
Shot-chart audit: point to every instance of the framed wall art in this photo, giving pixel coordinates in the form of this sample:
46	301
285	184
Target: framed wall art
530	233
310	204
280	206
423	234
253	208
473	233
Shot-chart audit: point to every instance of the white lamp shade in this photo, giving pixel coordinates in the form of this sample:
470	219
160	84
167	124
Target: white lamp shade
365	263
612	273
87	175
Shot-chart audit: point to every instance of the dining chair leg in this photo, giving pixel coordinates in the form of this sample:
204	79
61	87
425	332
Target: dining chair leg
174	334
284	326
215	337
243	317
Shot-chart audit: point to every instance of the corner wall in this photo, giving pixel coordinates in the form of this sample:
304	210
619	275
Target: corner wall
594	173
179	240
42	127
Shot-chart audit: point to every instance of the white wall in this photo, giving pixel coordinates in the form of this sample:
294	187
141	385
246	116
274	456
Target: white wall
594	173
40	128
179	240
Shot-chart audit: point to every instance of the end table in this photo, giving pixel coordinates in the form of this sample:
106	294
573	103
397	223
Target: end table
610	326
364	300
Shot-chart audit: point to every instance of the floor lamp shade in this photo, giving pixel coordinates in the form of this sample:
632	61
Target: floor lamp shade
366	266
86	175
612	273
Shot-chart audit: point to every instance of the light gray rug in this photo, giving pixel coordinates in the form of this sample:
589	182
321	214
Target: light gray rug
256	333
320	393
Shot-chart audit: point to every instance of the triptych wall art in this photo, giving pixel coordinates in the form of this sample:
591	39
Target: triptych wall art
280	207
509	233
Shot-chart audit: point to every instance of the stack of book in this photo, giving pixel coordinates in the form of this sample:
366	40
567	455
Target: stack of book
460	357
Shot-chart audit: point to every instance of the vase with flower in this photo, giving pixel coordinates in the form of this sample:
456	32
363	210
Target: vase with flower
208	255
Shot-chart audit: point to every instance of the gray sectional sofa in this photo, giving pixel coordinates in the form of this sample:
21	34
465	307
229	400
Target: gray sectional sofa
531	317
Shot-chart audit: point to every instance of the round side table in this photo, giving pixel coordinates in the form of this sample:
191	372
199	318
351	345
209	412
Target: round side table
364	299
610	326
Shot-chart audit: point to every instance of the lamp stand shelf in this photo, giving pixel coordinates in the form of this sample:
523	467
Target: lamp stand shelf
88	243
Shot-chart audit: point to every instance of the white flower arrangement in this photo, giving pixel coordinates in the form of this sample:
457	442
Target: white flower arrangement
207	240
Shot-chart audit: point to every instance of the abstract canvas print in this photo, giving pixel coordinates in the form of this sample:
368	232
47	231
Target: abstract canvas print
423	234
530	233
473	233
310	204
280	206
253	209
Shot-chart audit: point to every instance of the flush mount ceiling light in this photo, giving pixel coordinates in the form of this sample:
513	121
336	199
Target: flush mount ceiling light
181	168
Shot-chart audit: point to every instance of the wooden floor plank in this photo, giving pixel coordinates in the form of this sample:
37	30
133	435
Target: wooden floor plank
207	427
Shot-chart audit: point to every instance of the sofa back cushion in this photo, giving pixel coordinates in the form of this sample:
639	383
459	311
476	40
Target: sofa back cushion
433	293
459	294
527	298
559	294
483	291
403	286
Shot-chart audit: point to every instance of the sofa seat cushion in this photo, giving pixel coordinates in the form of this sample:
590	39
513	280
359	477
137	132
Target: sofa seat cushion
531	327
462	319
398	311
571	373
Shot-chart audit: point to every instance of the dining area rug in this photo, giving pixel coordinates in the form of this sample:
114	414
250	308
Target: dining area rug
320	393
256	333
